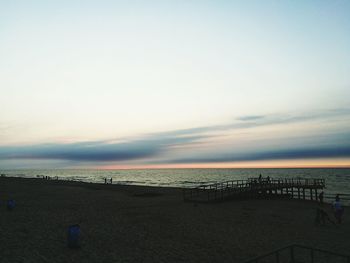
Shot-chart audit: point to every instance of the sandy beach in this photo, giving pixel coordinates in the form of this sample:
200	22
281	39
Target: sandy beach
150	224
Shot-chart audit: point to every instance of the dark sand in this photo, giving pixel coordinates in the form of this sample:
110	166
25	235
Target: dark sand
145	224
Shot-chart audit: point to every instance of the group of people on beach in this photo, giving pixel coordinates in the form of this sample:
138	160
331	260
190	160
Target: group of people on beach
110	181
46	177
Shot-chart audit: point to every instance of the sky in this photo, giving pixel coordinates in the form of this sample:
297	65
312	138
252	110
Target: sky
171	84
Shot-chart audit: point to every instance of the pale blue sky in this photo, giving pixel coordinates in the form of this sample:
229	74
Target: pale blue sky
111	72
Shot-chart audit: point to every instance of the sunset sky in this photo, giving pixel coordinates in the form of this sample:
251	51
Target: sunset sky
153	84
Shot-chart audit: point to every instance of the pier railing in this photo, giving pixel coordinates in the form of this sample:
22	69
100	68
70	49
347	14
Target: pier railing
299	253
291	187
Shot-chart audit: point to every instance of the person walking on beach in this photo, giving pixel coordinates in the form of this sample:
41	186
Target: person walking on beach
320	197
338	209
260	179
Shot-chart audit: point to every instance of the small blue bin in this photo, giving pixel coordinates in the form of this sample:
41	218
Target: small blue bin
11	204
74	236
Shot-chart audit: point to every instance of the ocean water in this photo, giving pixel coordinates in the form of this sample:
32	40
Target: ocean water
337	180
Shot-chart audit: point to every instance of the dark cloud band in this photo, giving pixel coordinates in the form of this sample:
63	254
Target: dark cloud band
289	154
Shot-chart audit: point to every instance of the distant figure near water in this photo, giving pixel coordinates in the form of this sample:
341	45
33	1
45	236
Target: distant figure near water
338	209
260	179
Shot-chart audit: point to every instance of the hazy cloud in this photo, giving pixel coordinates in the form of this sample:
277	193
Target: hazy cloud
250	117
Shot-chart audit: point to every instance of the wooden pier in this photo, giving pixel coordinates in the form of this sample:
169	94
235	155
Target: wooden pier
306	189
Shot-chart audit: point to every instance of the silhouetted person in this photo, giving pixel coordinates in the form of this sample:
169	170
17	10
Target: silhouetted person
105	180
268	179
338	209
260	178
111	180
320	197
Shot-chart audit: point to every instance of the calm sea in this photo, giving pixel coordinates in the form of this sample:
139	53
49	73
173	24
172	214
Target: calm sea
337	180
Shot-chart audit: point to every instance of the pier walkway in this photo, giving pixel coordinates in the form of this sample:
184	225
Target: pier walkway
299	188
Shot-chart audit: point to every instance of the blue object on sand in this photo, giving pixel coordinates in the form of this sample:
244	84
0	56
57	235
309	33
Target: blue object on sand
74	236
11	204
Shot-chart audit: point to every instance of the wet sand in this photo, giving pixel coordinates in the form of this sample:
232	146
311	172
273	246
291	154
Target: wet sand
150	224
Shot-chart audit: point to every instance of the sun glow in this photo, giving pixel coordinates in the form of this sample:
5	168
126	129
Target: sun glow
302	163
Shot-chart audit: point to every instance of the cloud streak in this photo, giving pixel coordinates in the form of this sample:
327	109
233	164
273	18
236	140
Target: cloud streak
96	151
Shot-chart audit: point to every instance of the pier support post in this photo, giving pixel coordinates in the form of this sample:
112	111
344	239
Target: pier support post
311	196
316	197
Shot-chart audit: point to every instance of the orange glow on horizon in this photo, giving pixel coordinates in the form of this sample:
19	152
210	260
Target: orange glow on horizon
309	163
